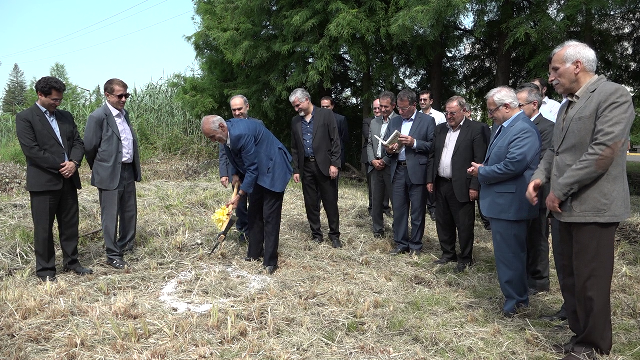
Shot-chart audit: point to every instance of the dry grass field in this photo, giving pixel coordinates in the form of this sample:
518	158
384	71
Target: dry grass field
177	302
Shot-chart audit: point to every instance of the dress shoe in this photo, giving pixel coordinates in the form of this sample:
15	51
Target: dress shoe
336	243
79	269
534	291
415	252
443	261
317	240
511	313
271	269
249	258
487	226
561	315
433	216
117	263
51	278
462	266
562	348
378	235
579	352
398	250
388	213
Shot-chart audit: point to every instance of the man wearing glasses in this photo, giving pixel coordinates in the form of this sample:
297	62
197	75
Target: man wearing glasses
425	102
53	150
511	159
112	153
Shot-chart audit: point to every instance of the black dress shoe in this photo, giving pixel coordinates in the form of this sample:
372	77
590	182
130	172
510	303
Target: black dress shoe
128	248
249	258
415	252
271	269
561	315
336	243
433	216
51	278
398	250
462	266
80	270
317	240
562	348
443	261
117	263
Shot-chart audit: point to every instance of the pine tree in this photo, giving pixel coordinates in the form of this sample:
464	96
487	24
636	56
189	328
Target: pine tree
14	92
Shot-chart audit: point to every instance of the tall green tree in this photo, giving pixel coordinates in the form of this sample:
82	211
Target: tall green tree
14	99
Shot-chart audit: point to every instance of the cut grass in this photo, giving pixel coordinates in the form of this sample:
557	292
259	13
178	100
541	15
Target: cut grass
356	302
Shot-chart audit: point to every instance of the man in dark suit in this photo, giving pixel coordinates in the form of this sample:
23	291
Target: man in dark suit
379	160
408	168
112	153
264	165
512	156
538	228
240	110
366	123
315	148
53	149
343	128
589	195
457	143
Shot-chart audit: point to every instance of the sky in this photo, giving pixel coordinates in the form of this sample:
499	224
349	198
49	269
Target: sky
136	41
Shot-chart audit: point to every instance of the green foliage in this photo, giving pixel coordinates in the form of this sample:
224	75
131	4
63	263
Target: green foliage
14	98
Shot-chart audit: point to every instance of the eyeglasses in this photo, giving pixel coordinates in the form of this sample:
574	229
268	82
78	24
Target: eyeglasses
120	96
450	113
424	99
55	100
521	105
376	108
405	108
491	111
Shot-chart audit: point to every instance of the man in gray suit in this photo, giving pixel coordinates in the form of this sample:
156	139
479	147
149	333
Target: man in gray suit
111	148
529	99
379	161
589	194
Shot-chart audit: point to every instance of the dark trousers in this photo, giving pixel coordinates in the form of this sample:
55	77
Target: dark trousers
538	252
381	189
510	252
407	198
557	255
315	187
587	250
265	213
431	202
63	206
119	208
242	224
451	216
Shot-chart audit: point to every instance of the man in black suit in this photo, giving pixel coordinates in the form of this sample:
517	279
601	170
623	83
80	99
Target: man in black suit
457	143
343	128
408	167
112	154
315	148
538	228
53	149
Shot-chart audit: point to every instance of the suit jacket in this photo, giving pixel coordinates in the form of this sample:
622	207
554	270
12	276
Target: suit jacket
510	161
343	132
326	141
258	155
104	148
471	146
545	127
366	122
422	131
224	166
587	163
372	143
44	152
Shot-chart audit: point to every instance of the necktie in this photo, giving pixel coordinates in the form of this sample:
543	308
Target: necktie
496	135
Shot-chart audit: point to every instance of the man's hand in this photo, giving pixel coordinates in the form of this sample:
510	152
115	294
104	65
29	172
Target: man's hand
235	180
67	169
473	194
333	171
224	181
532	191
406	140
430	187
473	170
378	164
234	202
553	203
391	149
296	178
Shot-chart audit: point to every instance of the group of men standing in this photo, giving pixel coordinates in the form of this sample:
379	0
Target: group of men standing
54	151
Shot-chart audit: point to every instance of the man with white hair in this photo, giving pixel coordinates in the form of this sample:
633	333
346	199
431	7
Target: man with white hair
511	159
589	196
